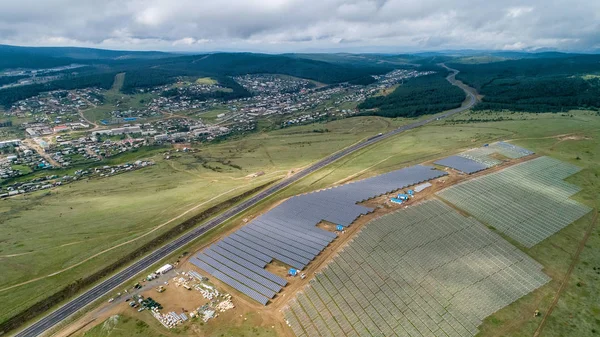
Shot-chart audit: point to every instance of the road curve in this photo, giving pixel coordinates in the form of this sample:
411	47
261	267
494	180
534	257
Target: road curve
147	261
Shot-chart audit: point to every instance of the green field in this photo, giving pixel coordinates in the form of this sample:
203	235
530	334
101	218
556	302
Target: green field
205	80
211	115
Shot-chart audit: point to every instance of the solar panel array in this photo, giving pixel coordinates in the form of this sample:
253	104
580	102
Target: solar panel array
462	164
510	150
529	201
482	154
288	232
421	271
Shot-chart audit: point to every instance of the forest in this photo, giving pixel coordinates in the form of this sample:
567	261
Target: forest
536	85
418	96
8	96
11	79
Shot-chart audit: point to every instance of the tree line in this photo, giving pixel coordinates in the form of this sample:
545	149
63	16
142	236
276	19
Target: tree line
535	85
418	96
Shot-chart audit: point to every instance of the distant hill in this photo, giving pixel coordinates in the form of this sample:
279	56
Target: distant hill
47	57
548	82
221	65
360	59
85	53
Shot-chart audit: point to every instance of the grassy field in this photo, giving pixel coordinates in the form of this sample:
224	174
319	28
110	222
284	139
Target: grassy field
49	231
205	80
211	115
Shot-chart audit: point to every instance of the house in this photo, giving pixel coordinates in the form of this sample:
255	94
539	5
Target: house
60	128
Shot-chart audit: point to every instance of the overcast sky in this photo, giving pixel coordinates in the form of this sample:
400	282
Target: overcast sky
308	25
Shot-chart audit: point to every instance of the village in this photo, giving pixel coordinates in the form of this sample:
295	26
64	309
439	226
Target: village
56	134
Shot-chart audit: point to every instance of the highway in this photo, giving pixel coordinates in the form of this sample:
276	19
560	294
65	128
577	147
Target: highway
106	286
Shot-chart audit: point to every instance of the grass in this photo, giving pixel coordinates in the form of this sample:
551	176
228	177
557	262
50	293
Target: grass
101	112
122	326
211	115
24	169
205	80
118	83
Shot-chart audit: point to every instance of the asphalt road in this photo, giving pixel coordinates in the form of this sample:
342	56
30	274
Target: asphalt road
146	262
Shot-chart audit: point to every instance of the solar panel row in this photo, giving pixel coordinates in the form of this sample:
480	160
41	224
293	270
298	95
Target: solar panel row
244	270
238	256
231	282
462	164
288	232
237	275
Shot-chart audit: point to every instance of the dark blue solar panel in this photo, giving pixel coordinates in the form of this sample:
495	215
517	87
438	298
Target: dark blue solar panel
462	164
231	282
282	247
244	270
282	258
252	252
287	234
238	254
270	246
236	275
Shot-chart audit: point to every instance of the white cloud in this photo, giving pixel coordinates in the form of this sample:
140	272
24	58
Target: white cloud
515	12
297	25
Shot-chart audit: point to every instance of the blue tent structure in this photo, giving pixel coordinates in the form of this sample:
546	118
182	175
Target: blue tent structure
339	228
293	272
397	201
410	192
403	196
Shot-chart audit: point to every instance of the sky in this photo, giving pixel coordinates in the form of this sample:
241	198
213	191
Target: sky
304	26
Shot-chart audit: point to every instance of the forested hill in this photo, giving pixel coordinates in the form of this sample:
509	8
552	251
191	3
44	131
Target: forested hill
233	64
418	96
47	57
543	84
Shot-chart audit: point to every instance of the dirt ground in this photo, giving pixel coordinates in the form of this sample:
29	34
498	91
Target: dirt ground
179	299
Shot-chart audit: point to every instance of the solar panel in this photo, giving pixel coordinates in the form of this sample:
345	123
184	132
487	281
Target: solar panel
282	236
244	270
462	164
231	282
295	236
284	259
289	232
252	252
236	257
271	245
281	246
236	275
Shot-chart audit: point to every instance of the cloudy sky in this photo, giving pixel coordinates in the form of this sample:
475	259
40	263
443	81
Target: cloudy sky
307	25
